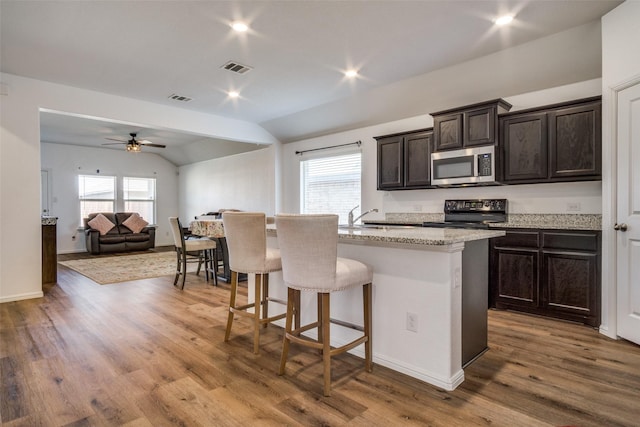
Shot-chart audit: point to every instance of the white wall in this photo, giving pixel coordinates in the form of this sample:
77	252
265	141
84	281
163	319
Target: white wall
563	58
538	198
244	181
620	65
20	273
20	223
66	162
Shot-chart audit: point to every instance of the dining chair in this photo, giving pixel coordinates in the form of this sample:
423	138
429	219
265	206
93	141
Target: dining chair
200	250
246	235
317	268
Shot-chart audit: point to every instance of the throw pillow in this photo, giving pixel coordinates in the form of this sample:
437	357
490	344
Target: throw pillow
101	223
135	223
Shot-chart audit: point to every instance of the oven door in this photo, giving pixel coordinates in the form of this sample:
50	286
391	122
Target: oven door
463	167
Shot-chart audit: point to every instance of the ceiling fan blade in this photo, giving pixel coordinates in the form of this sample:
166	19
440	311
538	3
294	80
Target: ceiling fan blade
133	142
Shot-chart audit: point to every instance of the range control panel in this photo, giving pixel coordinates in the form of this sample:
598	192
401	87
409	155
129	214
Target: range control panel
476	205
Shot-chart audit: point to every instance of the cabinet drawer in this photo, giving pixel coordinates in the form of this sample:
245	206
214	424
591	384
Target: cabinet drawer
570	241
524	239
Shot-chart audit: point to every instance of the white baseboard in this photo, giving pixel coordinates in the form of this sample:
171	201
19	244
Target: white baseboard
20	297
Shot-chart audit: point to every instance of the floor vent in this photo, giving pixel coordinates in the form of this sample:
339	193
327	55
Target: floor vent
237	68
179	98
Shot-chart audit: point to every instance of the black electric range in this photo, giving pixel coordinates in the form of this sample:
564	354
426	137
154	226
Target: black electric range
471	214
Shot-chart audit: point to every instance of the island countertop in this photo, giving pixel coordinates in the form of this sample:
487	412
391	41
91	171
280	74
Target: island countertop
434	273
409	235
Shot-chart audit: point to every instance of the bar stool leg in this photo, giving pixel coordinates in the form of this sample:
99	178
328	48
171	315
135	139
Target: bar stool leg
291	295
320	320
326	343
232	304
257	303
265	298
296	308
367	300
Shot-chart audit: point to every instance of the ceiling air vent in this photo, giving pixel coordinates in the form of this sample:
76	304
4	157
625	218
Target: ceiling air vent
237	68
179	98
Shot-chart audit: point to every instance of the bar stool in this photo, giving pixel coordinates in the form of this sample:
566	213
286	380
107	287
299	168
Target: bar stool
310	262
191	250
246	234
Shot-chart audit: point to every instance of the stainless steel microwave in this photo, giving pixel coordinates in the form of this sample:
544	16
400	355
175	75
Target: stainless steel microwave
468	166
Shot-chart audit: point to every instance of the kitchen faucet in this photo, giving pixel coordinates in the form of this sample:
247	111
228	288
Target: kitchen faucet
351	220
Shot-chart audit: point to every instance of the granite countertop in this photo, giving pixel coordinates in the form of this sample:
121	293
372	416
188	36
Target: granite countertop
409	236
49	220
553	221
539	221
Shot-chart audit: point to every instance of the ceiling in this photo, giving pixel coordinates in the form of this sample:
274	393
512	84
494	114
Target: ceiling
297	51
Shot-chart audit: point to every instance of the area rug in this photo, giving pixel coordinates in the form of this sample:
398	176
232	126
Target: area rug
115	269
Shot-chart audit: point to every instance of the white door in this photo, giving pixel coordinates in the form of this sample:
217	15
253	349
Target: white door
628	216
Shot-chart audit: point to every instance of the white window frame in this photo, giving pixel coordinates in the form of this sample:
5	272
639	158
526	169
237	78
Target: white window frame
82	197
340	208
153	198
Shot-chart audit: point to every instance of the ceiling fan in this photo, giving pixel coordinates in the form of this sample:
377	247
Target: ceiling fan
133	144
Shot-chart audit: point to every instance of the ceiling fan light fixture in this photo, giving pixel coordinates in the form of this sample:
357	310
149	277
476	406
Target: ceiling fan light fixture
133	147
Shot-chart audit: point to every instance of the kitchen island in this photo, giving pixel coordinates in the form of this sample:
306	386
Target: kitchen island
418	310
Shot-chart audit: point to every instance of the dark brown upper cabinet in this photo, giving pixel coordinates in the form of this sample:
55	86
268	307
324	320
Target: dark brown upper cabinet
575	141
468	126
524	140
560	142
404	160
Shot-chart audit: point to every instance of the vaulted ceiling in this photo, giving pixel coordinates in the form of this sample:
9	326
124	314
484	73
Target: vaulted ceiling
297	52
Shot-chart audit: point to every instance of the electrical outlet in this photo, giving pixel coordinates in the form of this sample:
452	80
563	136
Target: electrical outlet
412	322
457	277
574	207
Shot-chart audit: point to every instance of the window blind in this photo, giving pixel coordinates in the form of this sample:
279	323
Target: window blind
331	184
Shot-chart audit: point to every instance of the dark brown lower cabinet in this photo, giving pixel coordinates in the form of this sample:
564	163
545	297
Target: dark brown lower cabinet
49	254
554	273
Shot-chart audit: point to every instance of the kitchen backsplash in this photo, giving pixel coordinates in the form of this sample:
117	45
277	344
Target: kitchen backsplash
550	221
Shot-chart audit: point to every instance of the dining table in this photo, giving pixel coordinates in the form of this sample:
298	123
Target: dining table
214	229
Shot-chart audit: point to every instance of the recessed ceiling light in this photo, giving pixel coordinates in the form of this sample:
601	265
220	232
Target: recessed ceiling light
239	27
351	73
504	20
233	94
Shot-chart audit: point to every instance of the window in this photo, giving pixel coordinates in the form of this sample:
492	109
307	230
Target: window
139	195
331	185
96	193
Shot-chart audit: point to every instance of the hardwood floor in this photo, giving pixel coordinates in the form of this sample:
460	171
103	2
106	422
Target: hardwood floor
146	354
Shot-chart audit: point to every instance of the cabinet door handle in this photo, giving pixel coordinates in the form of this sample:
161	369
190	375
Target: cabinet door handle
620	227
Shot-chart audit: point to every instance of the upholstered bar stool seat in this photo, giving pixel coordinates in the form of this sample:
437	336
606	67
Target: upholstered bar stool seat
191	250
309	250
246	234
